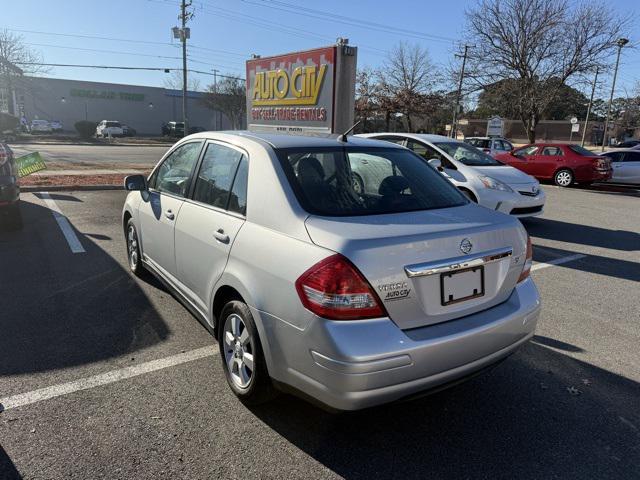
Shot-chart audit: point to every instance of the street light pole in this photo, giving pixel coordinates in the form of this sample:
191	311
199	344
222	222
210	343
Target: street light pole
586	122
621	43
459	93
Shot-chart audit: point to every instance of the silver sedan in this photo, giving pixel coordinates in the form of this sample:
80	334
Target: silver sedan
350	298
625	163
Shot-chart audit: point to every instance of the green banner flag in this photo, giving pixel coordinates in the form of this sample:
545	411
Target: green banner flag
29	164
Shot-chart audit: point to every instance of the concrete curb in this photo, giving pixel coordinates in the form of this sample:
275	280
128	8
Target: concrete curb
67	188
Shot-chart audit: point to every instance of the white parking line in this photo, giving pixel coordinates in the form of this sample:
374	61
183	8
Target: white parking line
63	223
557	261
53	391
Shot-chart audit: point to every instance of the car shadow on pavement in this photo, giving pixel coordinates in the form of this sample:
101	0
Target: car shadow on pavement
582	234
611	267
61	309
540	414
8	470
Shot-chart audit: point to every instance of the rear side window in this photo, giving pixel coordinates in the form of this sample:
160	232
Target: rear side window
174	173
551	151
216	177
632	157
480	143
365	181
582	151
526	151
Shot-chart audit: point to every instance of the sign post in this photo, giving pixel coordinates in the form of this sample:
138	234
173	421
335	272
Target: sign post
495	127
310	92
575	127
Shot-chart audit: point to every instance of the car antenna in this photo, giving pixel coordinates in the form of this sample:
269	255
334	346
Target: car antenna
343	137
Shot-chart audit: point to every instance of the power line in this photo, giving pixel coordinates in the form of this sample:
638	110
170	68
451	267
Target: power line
100	51
335	18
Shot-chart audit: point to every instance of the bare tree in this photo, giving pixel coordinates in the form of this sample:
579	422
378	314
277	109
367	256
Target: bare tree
541	44
16	59
406	78
174	81
366	107
228	97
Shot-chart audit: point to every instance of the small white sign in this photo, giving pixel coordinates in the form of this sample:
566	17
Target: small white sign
495	127
447	127
463	121
574	120
575	127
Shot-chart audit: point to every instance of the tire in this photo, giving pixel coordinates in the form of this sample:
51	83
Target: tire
358	184
241	354
469	195
134	255
563	178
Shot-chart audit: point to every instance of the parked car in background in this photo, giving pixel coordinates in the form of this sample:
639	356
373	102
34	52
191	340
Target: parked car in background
480	177
627	144
127	131
109	128
626	165
173	129
56	125
9	189
353	299
40	126
491	145
563	163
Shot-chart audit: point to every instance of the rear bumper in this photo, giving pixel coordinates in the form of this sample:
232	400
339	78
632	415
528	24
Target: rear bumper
353	365
593	176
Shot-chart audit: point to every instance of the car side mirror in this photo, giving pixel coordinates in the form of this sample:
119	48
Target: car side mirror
135	183
435	163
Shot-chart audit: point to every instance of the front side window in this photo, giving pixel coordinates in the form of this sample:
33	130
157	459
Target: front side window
632	157
216	176
615	156
174	173
468	155
394	181
526	151
480	143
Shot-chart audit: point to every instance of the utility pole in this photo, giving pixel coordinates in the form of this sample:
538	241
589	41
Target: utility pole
459	93
184	35
620	43
586	122
215	92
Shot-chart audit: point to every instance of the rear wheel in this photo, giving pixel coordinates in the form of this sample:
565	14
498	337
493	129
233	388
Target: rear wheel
563	178
242	358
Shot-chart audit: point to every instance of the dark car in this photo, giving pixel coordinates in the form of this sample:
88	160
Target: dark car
9	188
563	163
173	129
627	144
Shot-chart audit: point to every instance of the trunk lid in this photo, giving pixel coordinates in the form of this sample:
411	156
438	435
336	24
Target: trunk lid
389	249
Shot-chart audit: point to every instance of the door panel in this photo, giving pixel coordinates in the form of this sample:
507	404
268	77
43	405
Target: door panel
628	170
545	163
158	214
210	220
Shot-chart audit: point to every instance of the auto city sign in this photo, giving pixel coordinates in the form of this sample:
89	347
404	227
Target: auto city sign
302	92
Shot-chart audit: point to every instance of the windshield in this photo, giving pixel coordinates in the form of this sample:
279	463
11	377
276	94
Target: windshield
582	151
113	124
470	156
370	181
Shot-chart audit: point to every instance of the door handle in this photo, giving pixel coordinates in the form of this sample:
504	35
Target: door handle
221	236
169	214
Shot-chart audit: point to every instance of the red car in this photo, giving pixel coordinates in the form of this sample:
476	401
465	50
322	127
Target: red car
563	163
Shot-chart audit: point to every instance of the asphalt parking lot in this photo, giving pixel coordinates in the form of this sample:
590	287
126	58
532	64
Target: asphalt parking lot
103	375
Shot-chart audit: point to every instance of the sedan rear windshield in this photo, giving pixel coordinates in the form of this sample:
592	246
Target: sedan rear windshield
470	156
354	181
582	151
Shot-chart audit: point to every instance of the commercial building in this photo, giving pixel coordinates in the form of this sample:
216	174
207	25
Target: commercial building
142	108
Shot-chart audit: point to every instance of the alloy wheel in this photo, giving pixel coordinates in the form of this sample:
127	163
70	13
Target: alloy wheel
564	178
238	350
132	247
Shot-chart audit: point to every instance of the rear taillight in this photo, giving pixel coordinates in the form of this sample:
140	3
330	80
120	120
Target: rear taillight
334	288
528	261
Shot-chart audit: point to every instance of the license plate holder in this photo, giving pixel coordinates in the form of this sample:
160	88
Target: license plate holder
459	286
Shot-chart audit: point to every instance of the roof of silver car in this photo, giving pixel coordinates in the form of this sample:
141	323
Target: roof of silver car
280	140
427	137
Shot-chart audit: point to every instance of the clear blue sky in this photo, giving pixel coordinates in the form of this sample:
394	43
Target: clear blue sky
233	29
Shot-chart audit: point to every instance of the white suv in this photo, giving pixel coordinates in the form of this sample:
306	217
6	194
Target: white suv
490	145
108	128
